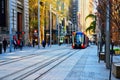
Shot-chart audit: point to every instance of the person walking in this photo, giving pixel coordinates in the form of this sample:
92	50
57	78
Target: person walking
43	43
33	42
21	44
5	43
48	43
15	43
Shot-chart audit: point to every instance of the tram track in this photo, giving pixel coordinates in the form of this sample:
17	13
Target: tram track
17	59
52	67
23	73
24	57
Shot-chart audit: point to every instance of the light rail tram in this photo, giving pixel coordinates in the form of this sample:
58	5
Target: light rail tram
79	40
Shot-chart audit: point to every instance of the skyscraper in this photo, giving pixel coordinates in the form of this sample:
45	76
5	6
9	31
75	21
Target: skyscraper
74	14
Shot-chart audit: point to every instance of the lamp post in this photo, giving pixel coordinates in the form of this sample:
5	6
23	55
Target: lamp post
10	24
107	55
50	26
38	24
58	29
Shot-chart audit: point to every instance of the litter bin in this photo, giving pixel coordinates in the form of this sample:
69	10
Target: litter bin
0	47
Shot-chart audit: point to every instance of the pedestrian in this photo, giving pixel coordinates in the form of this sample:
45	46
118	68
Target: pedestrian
33	42
15	43
43	43
18	43
48	43
21	44
29	43
5	43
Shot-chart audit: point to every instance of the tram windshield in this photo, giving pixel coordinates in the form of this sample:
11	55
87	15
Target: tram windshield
79	38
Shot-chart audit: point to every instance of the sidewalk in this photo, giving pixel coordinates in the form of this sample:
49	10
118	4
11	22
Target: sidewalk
88	68
36	47
17	53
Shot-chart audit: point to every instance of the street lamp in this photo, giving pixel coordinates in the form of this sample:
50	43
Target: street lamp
50	25
107	55
38	23
58	29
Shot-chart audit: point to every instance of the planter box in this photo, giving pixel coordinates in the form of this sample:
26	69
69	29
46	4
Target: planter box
117	52
116	70
102	56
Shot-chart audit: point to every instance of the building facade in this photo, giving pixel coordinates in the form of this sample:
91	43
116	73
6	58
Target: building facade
15	20
74	15
85	8
72	18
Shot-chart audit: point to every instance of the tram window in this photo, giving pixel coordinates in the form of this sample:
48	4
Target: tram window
82	38
77	38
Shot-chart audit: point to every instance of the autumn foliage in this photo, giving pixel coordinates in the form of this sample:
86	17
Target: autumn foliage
114	18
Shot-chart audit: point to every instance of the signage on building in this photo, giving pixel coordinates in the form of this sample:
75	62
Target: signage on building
2	13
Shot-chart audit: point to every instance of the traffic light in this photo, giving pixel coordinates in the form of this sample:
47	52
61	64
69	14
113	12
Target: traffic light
23	32
20	32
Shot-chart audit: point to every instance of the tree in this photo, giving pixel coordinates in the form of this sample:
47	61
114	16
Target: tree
57	8
33	13
115	21
114	18
92	26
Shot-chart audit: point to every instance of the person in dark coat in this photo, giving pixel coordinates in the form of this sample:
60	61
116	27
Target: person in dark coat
5	44
15	43
21	44
33	42
43	43
48	43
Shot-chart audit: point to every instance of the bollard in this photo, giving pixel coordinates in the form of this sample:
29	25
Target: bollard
0	47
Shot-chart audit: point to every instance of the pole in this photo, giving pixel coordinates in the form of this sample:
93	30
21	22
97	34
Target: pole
10	25
38	24
45	23
58	29
50	26
108	36
112	52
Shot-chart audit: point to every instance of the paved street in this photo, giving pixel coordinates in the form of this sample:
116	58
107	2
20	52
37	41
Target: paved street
53	63
39	39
